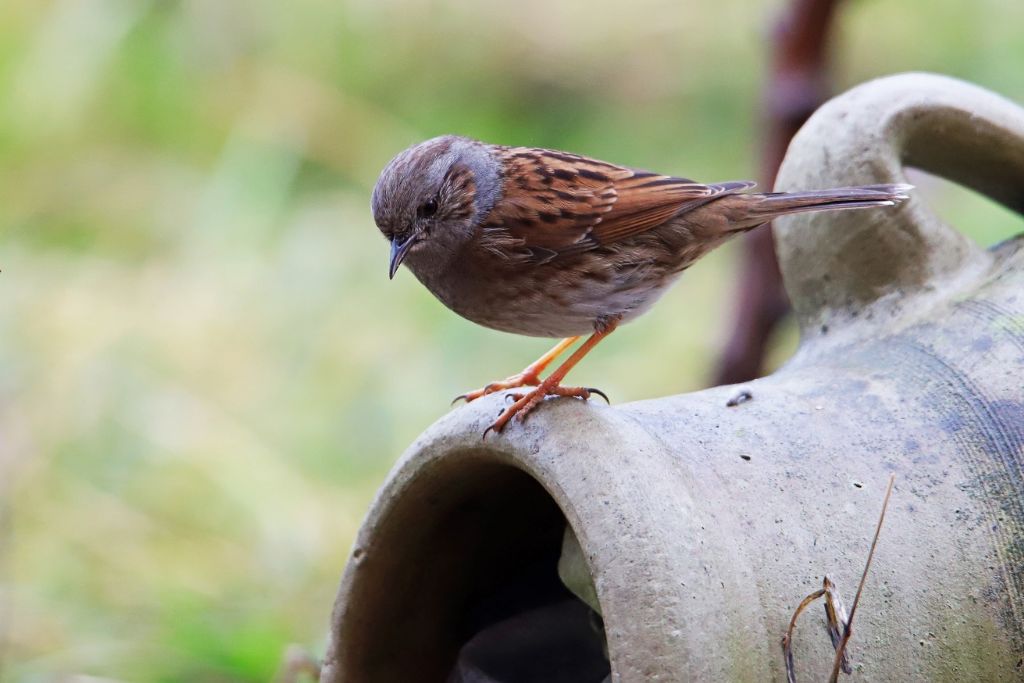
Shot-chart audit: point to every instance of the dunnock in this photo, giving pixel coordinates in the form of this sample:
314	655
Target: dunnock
552	244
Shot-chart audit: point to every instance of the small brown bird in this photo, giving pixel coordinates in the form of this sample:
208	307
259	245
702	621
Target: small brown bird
551	244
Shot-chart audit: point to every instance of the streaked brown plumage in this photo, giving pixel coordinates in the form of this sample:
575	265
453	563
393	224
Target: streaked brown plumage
551	244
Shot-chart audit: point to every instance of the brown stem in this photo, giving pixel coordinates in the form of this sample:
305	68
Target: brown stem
848	631
797	85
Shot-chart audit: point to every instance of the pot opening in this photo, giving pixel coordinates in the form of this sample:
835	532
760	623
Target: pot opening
461	584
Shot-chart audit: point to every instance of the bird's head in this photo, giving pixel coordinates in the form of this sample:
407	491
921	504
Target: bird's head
429	199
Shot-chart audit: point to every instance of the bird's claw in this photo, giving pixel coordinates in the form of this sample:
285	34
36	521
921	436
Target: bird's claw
523	379
524	404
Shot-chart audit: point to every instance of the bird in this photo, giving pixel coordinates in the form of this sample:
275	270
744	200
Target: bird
545	243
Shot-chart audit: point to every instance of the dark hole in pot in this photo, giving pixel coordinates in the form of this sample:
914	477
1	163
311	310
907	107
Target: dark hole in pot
462	586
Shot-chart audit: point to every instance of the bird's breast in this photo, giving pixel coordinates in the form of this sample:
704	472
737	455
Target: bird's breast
564	298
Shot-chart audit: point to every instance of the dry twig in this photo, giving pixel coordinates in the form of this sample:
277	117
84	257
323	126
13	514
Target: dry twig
835	614
840	626
848	630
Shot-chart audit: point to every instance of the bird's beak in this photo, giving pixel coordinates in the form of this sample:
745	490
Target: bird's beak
399	249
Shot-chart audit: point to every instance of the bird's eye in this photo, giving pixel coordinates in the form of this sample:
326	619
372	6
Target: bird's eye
429	208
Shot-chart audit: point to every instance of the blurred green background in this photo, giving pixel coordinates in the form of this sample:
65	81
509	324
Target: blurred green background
204	371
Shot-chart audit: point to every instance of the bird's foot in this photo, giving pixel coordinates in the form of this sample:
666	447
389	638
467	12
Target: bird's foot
525	403
526	378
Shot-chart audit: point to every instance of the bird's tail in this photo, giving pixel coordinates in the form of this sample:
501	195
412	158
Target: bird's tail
751	210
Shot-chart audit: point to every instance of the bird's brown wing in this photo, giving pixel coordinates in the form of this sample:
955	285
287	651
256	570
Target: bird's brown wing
554	203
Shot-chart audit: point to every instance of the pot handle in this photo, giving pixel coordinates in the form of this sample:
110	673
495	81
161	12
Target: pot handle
892	261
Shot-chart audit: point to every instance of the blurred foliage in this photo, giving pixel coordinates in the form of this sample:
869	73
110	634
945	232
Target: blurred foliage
204	372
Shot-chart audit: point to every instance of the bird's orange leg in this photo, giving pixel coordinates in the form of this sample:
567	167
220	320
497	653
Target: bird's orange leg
552	385
530	377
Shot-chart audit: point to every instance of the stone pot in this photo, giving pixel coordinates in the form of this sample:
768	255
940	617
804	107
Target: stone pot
693	529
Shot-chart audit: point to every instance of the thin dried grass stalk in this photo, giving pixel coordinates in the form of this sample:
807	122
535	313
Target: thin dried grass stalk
848	630
840	626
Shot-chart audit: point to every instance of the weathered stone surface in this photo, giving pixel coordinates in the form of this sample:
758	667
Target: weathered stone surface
703	526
